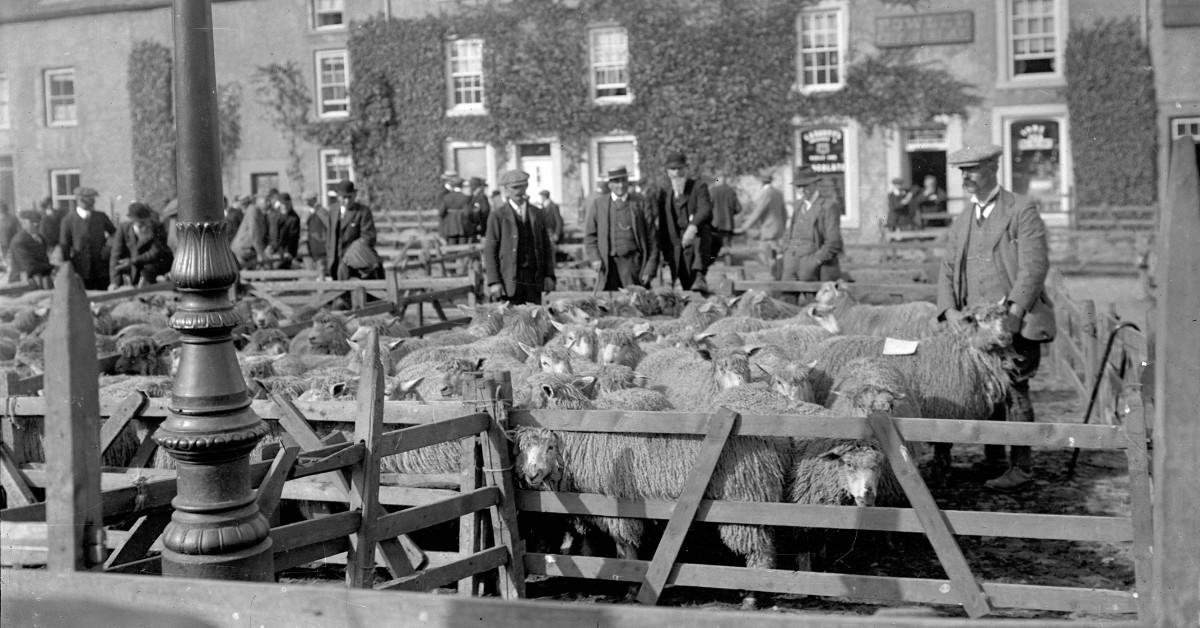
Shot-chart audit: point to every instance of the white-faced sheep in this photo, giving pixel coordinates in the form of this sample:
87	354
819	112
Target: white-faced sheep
759	304
327	335
959	373
691	379
652	466
913	320
617	346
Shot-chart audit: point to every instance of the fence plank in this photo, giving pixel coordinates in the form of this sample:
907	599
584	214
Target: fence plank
1141	510
270	490
966	588
443	575
495	390
410	438
141	537
348	455
962	522
421	517
12	478
870	588
302	533
72	429
364	477
719	427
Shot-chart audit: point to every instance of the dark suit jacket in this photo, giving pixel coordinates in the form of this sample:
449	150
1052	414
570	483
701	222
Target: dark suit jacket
596	234
27	254
284	229
454	215
826	238
672	221
358	223
500	254
85	244
1020	255
51	227
554	221
150	253
725	206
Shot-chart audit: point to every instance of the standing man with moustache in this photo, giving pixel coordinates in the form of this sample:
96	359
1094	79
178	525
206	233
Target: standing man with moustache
517	257
684	214
617	237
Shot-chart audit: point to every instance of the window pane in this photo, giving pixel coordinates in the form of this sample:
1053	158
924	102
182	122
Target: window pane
470	162
615	154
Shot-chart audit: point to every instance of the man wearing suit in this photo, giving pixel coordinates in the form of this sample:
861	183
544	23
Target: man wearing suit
996	252
767	221
454	214
517	257
554	221
28	261
725	206
348	222
139	249
618	239
813	242
683	213
83	237
899	210
479	207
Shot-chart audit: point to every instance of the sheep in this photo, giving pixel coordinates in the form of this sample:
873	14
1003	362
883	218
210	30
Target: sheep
139	310
577	311
959	373
580	339
327	335
120	386
633	399
140	356
737	324
914	320
271	341
649	466
690	379
387	324
264	314
759	304
451	373
615	346
758	398
696	316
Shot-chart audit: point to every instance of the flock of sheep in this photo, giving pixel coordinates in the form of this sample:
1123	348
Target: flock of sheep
649	350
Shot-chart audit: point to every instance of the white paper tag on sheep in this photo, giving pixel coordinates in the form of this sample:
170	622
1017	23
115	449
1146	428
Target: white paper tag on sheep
896	346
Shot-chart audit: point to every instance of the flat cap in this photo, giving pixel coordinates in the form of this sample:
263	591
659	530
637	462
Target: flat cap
138	210
512	177
86	191
969	156
284	196
804	175
30	214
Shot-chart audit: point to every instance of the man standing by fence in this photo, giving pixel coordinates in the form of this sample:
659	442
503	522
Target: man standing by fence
350	249
814	240
684	215
996	252
617	237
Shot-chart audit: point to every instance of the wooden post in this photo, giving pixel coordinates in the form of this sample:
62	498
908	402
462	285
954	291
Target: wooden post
496	389
217	530
1177	418
1087	343
469	525
74	513
364	477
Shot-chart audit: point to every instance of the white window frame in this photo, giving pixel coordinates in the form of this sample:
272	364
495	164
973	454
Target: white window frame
5	99
838	9
323	103
593	174
490	162
1004	48
620	64
470	44
56	194
1002	121
47	80
327	182
328	7
1178	130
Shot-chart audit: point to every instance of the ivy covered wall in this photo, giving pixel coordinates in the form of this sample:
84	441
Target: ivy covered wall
1111	102
714	78
153	118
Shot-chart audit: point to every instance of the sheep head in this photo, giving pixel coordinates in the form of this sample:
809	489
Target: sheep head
859	469
539	459
329	335
406	390
616	346
581	340
553	390
793	381
486	319
730	366
983	327
453	372
264	314
271	341
824	316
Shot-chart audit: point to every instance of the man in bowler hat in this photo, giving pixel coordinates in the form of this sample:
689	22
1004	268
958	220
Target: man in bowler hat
349	221
517	257
996	252
618	238
683	211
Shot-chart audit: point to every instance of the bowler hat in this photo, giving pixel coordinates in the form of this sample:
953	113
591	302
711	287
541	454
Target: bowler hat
476	182
618	174
970	156
284	196
30	214
676	160
513	177
346	187
138	210
805	175
86	191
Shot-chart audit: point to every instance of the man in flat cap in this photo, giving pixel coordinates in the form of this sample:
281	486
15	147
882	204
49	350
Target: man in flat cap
517	257
139	249
28	261
813	242
683	212
996	253
349	222
83	237
618	238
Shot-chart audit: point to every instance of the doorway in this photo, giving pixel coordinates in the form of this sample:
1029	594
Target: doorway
536	159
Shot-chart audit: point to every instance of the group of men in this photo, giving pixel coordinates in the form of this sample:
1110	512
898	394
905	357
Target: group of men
104	255
463	213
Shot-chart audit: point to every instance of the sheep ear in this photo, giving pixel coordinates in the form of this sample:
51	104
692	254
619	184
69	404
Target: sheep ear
548	390
42	311
410	385
557	325
831	455
274	358
811	365
479	364
337	389
705	353
764	370
467	309
707	307
503	306
642	329
534	312
733	301
353	345
395	344
752	349
529	351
